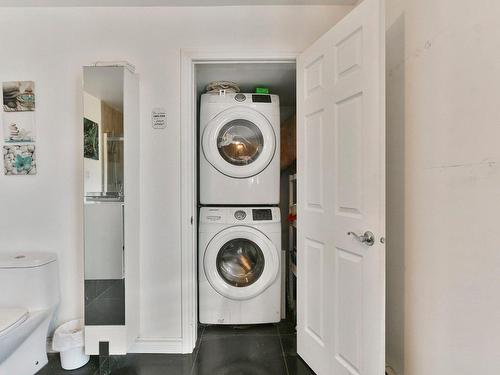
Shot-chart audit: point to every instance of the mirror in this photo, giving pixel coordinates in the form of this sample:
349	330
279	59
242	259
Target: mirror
103	162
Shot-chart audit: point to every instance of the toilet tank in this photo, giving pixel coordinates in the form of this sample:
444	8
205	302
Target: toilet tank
29	280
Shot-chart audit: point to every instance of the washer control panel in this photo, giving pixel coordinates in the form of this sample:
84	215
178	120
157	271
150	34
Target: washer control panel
260	214
214	217
240	215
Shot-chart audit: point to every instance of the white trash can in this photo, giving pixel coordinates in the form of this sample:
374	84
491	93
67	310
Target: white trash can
68	341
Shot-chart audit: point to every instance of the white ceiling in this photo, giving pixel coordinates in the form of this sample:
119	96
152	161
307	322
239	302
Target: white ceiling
106	84
70	3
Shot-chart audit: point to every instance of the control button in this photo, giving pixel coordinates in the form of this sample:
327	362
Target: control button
240	215
240	97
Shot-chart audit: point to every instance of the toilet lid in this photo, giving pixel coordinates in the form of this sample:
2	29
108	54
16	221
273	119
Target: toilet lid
11	318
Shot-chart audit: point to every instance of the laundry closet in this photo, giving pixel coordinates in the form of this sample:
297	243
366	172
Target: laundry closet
329	213
246	148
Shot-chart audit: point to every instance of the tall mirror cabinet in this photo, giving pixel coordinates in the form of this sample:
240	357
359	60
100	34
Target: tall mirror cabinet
111	208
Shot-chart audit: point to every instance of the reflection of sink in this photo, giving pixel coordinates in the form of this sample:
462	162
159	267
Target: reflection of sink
104	197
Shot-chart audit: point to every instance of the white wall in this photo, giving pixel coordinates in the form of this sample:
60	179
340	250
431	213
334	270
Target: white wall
395	255
452	323
53	44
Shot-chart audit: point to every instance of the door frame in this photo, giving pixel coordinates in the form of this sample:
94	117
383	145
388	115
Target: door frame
188	164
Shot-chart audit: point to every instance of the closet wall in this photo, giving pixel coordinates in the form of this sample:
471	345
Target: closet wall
452	187
395	184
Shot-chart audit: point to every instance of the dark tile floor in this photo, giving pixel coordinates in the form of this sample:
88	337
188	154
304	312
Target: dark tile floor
253	350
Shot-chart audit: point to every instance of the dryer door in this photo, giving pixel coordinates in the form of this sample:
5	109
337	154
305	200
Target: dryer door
239	142
241	262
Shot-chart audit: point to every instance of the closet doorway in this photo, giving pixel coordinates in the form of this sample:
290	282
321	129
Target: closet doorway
341	192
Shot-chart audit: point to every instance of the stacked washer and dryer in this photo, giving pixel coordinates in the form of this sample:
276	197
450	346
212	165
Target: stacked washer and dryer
239	242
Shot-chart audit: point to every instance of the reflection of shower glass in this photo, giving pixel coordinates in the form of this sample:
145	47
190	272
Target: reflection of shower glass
240	142
240	262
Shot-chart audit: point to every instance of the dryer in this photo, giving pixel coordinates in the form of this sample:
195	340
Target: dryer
239	267
240	149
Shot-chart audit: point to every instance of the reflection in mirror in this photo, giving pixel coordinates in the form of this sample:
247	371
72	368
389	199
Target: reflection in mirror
103	142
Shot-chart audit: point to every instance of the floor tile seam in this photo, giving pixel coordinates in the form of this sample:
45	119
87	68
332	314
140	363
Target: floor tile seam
218	336
193	365
202	333
283	352
288	334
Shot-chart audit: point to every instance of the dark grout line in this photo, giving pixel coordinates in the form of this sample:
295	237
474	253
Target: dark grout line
282	349
222	336
241	333
202	333
193	365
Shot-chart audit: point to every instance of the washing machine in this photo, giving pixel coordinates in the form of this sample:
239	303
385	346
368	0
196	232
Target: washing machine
239	265
240	149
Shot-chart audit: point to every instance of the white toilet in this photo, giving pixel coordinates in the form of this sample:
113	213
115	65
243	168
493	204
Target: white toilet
29	296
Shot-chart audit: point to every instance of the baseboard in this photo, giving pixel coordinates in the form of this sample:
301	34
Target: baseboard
145	345
157	345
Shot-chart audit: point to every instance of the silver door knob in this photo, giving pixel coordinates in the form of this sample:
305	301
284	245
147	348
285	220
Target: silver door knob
368	238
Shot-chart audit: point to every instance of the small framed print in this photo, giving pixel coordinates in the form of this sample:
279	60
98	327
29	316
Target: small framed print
18	127
18	96
19	160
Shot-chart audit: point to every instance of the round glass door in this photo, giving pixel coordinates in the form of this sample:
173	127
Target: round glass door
240	262
240	142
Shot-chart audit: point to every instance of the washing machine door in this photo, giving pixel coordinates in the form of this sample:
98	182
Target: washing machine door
241	262
239	142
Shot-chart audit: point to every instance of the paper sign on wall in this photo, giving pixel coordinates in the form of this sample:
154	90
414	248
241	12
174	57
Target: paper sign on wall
159	118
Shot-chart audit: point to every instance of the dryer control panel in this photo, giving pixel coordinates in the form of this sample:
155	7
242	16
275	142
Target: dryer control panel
260	98
240	215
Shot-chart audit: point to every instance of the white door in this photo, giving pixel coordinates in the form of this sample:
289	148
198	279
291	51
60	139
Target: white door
341	186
